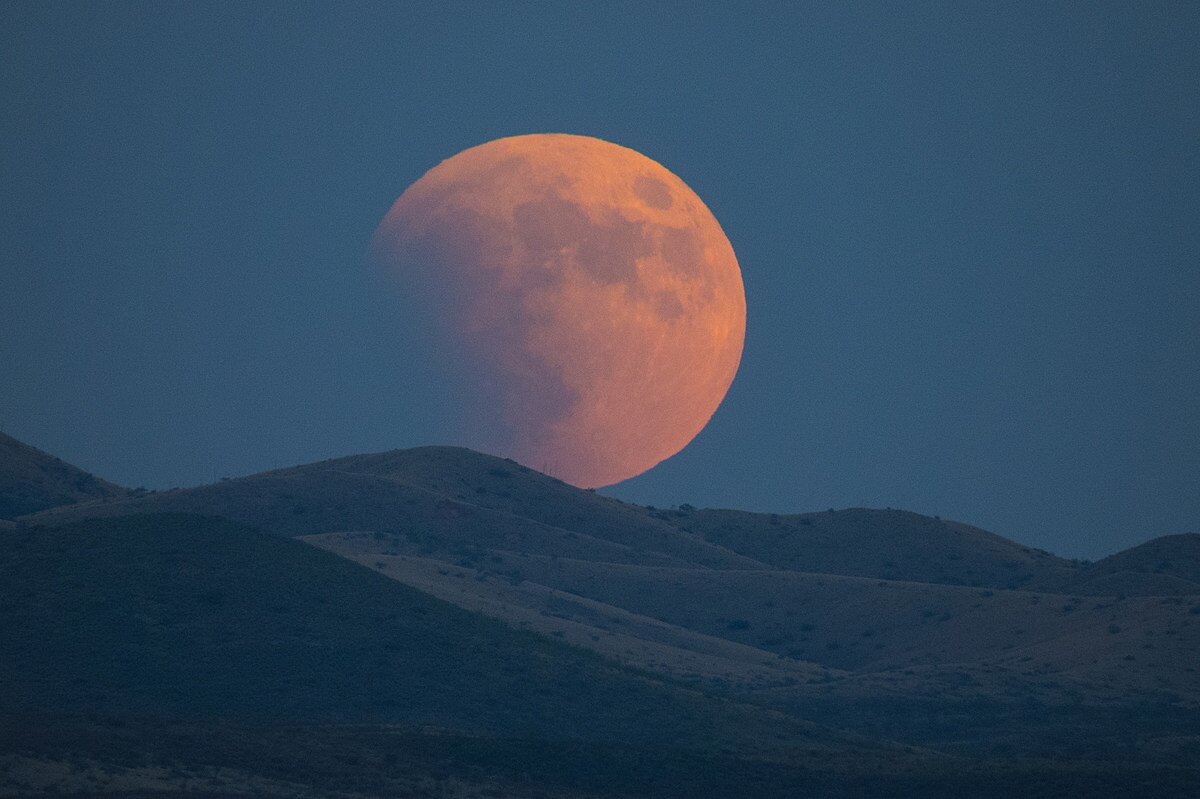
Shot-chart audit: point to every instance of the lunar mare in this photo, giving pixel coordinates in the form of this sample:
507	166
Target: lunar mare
592	304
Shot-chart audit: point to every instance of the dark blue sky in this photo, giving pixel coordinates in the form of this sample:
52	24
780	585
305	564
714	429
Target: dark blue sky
970	238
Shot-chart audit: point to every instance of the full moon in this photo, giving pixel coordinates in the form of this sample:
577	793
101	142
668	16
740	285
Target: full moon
585	299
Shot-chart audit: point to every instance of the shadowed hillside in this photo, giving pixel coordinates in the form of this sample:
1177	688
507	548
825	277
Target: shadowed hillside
892	544
193	617
453	496
506	630
197	658
31	480
453	501
1166	565
851	625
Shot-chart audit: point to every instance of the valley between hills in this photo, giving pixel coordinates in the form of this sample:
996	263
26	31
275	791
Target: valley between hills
438	622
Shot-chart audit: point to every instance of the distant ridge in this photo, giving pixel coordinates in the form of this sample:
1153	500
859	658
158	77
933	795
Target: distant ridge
32	480
458	501
451	502
891	544
1166	565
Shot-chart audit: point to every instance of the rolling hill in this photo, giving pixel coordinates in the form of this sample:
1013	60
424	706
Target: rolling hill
844	625
889	544
453	501
32	480
193	617
474	628
223	645
1164	566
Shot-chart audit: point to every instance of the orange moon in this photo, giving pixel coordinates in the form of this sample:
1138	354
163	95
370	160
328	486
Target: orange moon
590	302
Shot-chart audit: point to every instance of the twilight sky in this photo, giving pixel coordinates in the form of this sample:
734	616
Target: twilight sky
970	238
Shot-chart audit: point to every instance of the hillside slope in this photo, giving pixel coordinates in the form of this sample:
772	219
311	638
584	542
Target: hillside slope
940	660
195	618
1163	566
456	503
891	544
845	625
32	480
457	499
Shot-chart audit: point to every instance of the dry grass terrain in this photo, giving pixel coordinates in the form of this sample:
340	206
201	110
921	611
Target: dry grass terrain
879	652
606	628
1106	647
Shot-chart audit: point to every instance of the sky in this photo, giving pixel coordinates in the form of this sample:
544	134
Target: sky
969	235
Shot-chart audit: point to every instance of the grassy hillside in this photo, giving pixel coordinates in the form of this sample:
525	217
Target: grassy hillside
188	617
457	500
31	480
1163	566
891	544
1139	644
455	503
487	631
497	587
850	625
192	656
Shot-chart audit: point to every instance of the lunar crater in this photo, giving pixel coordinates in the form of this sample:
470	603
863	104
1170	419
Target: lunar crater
554	229
653	193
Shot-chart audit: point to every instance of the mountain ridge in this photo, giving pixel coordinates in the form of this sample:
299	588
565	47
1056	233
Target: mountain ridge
446	487
470	502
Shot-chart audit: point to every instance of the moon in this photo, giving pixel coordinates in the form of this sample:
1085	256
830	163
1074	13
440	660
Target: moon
586	300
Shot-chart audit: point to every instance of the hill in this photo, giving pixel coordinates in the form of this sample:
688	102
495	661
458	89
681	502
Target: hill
890	544
455	503
1164	566
192	617
195	657
478	629
32	480
844	625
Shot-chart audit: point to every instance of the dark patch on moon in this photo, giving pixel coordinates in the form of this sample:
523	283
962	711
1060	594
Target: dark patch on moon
653	193
682	251
554	227
668	306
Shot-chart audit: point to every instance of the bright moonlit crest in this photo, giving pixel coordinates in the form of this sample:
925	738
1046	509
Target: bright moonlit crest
592	305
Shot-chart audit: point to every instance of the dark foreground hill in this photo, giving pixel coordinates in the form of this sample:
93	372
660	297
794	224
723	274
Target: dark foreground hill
488	631
31	480
193	656
190	617
188	628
